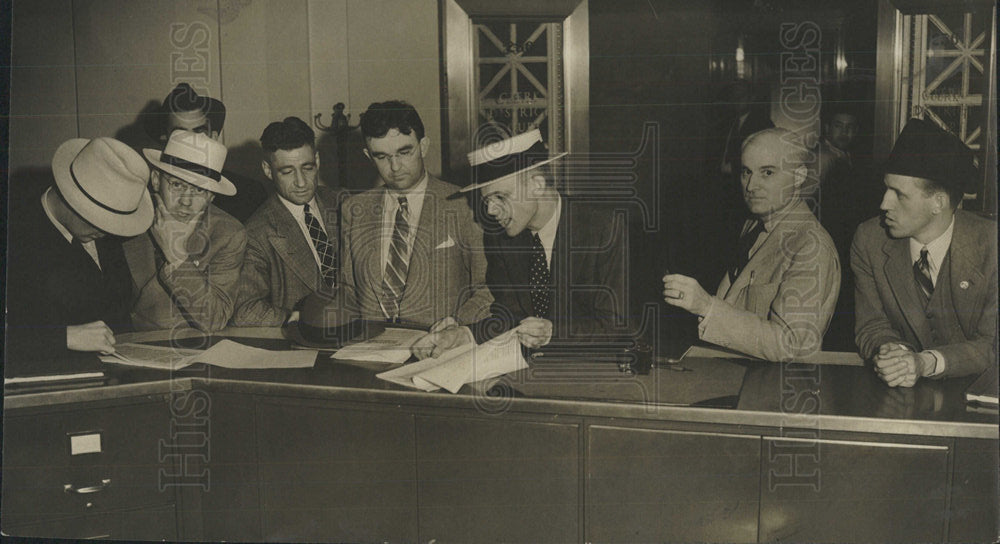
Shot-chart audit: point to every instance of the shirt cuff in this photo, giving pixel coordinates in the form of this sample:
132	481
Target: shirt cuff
938	363
705	320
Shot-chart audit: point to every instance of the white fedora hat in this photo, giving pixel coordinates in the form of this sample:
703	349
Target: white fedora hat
507	159
195	158
105	182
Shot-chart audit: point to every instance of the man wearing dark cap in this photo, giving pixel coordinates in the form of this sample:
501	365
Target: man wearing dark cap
185	109
556	266
68	284
926	271
293	238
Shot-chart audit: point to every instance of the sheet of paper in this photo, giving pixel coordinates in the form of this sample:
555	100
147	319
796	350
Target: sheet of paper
229	354
462	365
226	353
392	346
160	357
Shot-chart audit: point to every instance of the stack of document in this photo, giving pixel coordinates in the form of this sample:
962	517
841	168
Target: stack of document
226	353
465	364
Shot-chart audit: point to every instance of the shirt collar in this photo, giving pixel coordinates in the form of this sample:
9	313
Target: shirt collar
52	218
780	216
297	210
936	249
547	234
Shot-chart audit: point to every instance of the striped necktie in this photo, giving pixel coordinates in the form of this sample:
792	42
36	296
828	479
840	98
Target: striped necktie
922	273
540	279
324	249
394	278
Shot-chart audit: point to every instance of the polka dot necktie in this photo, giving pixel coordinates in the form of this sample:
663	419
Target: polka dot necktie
540	279
324	249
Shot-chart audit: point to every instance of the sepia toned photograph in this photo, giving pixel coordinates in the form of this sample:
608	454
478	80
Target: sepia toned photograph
481	271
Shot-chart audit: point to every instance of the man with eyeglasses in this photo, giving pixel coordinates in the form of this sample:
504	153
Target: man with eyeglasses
411	254
186	268
293	238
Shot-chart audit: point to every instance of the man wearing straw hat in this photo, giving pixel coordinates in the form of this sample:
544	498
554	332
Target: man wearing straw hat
187	266
556	266
68	285
926	271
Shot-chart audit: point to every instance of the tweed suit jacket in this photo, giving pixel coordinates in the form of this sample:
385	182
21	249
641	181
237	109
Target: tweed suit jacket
890	309
279	269
200	292
780	305
446	275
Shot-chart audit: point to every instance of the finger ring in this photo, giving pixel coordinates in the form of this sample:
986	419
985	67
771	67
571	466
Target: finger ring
680	296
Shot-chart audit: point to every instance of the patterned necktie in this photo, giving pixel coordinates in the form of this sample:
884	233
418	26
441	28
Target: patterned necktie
394	278
540	279
324	249
922	273
743	248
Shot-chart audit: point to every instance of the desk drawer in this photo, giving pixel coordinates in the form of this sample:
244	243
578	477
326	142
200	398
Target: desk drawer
114	462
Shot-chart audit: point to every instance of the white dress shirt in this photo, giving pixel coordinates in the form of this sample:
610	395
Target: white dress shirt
390	203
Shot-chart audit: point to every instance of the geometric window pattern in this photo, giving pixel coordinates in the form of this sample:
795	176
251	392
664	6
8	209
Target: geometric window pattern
519	80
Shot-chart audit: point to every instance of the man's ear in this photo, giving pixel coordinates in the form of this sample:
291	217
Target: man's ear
800	173
537	184
266	167
154	179
941	202
425	145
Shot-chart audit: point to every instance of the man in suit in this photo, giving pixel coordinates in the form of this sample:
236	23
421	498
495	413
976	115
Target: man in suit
556	266
68	285
187	266
411	254
292	239
184	109
777	299
926	271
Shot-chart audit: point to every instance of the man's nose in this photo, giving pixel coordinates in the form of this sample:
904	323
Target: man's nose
887	199
300	180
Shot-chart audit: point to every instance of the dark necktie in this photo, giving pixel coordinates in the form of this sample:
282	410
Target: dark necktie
743	248
324	249
540	279
394	278
922	273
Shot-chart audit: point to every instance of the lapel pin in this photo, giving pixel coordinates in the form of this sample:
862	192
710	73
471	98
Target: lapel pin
963	284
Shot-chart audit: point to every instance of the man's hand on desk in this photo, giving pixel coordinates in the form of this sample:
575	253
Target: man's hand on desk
686	293
94	336
900	366
435	343
534	332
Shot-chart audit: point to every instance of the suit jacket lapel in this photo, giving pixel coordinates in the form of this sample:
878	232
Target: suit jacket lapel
964	271
290	244
367	237
764	253
141	259
899	275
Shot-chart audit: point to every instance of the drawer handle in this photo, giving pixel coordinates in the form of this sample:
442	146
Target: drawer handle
105	483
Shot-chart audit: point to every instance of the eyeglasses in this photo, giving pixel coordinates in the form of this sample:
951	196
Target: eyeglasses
405	153
179	187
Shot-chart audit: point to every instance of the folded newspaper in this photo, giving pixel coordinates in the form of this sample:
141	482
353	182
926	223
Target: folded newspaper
465	364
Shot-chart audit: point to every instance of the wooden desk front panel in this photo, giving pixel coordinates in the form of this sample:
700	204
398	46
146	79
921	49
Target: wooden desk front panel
646	485
841	491
498	480
333	474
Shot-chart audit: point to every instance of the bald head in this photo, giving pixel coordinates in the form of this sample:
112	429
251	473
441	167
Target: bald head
774	169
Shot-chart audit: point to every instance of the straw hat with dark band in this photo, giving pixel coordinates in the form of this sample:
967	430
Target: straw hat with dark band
195	158
508	158
105	181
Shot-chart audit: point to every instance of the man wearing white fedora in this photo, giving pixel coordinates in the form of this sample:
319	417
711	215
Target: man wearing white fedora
556	265
187	266
68	285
